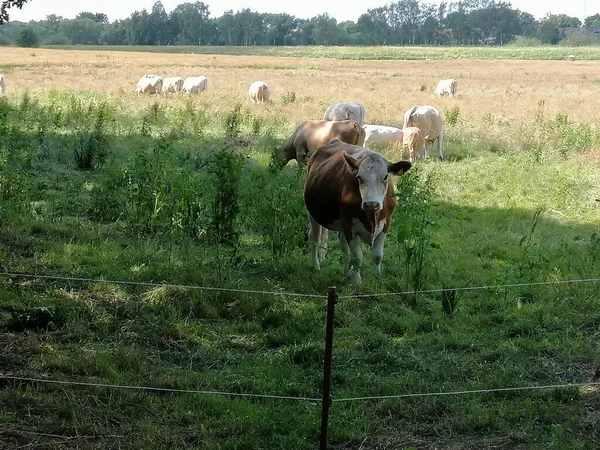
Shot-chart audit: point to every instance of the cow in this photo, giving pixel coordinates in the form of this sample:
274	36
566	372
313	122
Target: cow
259	92
413	140
346	111
311	135
195	85
350	189
2	84
382	134
446	87
149	84
429	120
172	84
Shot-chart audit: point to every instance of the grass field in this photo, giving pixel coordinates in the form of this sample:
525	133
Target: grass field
96	182
550	52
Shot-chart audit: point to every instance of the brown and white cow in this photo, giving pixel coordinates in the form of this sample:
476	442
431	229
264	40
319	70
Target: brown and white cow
311	135
350	189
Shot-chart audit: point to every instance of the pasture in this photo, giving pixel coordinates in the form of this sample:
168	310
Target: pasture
98	183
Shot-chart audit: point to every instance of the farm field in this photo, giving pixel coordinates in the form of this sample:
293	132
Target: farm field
165	194
549	52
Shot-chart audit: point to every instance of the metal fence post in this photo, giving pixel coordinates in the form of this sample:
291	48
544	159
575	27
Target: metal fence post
332	298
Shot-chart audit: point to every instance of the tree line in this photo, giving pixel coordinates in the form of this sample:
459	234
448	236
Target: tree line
404	22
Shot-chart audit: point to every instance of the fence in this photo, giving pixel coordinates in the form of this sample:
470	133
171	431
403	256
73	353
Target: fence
327	400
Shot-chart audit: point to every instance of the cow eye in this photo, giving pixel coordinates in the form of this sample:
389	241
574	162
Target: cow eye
360	180
385	179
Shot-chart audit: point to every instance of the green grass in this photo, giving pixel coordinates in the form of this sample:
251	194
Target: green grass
509	212
370	53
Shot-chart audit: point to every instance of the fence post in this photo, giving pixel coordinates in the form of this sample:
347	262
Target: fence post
332	297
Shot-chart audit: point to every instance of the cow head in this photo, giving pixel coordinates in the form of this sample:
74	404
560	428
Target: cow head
373	172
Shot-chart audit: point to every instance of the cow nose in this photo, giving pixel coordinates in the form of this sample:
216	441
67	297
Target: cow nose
371	206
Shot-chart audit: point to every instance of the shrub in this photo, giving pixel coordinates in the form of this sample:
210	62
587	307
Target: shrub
452	115
288	98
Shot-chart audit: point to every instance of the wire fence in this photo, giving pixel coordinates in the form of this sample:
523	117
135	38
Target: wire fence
332	298
154	284
305	399
298	294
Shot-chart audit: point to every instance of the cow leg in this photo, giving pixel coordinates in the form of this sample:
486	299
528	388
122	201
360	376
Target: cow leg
355	260
377	250
315	236
440	143
345	251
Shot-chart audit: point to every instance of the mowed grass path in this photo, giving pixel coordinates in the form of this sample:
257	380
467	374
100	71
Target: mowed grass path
515	201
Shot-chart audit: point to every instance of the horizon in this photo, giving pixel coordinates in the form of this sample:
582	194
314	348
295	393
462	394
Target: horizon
341	10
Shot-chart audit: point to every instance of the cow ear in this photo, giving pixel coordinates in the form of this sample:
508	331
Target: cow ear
351	163
399	168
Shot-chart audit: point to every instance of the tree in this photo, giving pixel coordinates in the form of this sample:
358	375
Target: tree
592	21
189	24
6	5
27	38
564	21
95	17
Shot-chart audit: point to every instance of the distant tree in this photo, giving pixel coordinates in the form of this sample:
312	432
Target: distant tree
564	21
27	38
548	33
95	17
6	5
82	31
325	31
592	21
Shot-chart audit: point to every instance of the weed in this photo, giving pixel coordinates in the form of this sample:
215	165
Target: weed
91	146
452	115
288	98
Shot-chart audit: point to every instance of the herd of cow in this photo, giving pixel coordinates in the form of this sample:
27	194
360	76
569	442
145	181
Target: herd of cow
349	188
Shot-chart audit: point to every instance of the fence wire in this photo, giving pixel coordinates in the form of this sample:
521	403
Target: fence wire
473	288
153	284
307	399
157	389
468	392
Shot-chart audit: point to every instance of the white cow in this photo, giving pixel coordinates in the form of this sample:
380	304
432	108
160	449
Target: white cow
2	84
382	134
195	85
429	120
259	92
346	111
149	84
172	84
446	87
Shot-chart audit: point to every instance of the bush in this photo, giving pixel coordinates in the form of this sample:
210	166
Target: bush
580	39
452	115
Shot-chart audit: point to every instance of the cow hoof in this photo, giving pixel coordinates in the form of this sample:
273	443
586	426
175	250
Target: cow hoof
354	276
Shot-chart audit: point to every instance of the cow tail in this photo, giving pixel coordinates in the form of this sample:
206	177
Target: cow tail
408	115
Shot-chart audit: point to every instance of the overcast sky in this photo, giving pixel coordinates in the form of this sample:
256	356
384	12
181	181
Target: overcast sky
340	9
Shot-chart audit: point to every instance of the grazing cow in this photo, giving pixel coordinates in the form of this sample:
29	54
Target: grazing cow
446	87
413	140
172	84
195	85
2	84
429	121
350	189
259	92
149	84
311	135
346	111
382	134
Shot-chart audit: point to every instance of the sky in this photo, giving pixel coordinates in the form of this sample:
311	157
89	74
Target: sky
340	9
